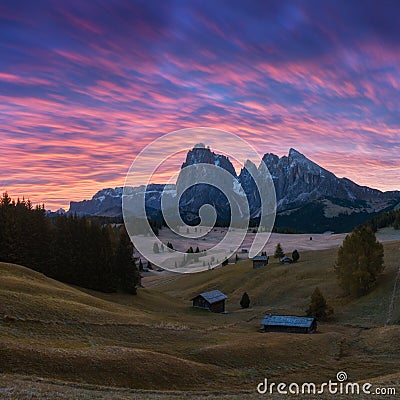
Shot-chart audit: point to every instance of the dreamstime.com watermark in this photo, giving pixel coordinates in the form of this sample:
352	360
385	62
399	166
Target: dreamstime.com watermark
338	387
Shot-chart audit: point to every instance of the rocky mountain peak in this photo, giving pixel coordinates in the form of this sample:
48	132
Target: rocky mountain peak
293	153
201	154
299	183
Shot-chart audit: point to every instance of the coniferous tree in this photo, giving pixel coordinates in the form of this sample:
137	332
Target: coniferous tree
125	267
245	301
279	251
318	308
295	256
8	249
359	262
71	249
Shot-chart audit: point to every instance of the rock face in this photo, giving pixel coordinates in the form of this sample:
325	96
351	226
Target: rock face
249	186
196	196
106	202
200	154
304	190
299	180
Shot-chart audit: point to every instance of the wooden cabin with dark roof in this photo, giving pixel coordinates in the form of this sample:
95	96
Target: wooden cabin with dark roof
260	261
213	301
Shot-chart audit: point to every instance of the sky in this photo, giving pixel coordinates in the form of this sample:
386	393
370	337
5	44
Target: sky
84	86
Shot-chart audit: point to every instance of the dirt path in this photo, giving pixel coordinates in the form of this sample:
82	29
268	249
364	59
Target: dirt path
396	286
148	282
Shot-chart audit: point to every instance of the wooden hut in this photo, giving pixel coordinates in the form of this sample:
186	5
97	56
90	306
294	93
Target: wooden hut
260	261
288	323
213	301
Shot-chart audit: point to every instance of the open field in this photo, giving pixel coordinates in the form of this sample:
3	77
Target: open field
58	341
290	242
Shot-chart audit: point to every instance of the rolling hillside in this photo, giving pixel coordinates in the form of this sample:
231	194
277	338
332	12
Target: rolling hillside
287	288
71	338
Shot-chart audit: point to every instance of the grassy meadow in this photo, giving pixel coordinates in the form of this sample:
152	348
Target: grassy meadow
59	341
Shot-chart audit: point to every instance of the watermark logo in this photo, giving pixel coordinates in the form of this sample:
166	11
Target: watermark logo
207	175
341	376
338	386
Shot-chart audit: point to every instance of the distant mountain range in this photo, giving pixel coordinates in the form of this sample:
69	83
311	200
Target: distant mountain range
309	197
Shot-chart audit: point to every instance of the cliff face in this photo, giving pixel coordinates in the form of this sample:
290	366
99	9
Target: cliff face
106	202
196	196
299	180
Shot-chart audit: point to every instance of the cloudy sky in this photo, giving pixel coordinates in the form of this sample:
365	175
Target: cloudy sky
84	86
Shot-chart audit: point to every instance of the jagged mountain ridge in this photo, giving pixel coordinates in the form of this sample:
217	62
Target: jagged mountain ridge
302	188
297	180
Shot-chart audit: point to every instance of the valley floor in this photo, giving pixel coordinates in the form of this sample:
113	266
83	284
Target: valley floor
301	242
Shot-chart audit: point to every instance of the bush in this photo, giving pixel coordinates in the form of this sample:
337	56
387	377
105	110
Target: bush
245	301
318	307
279	251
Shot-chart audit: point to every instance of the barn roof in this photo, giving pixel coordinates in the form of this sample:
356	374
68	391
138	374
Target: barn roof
287	320
213	296
260	258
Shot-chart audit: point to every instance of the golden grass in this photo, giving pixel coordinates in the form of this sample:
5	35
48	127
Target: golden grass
26	294
287	288
19	387
155	340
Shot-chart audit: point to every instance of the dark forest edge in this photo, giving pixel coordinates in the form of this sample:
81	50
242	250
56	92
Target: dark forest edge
75	250
384	220
92	252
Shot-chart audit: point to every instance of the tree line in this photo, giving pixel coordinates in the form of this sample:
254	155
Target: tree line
71	249
385	219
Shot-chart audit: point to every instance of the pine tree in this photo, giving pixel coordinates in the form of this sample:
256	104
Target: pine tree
359	262
279	251
295	256
128	274
318	307
8	245
245	301
68	248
